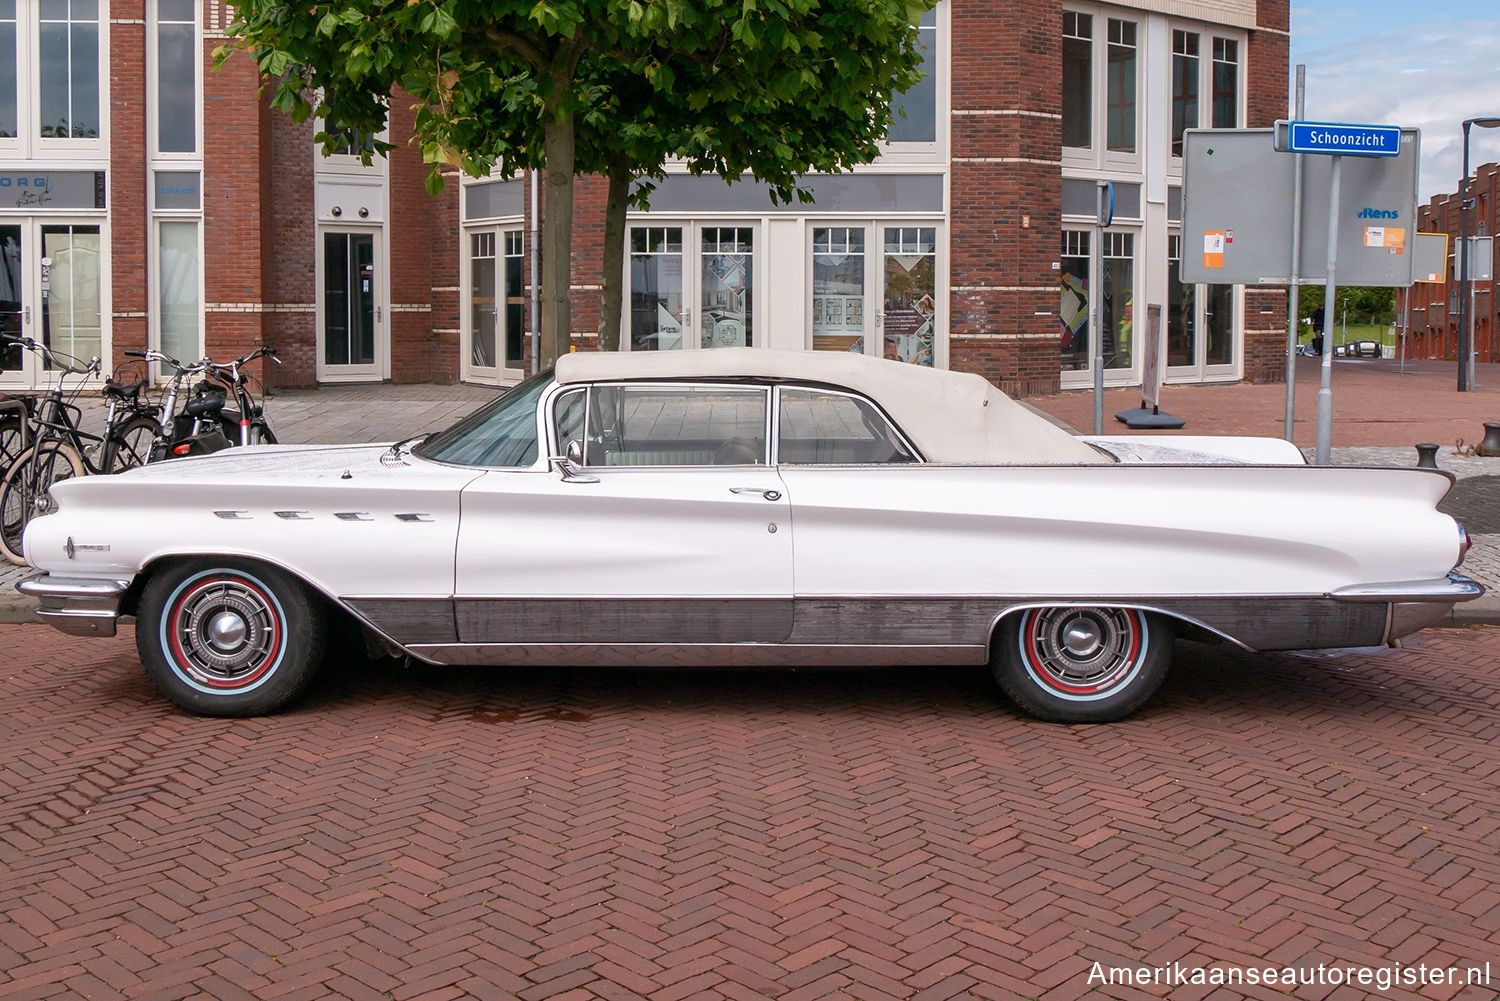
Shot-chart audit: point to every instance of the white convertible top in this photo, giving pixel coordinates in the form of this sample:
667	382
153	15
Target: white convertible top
952	417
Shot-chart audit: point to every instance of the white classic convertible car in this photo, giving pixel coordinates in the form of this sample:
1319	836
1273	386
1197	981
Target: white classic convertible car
745	507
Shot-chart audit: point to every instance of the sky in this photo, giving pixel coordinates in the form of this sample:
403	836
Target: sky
1427	65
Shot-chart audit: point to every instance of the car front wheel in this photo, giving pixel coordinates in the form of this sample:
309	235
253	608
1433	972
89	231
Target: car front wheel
1081	664
228	637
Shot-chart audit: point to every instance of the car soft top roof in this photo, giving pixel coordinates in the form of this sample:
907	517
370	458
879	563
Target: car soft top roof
950	416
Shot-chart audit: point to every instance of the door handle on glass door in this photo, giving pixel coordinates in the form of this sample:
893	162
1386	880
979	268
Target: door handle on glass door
766	492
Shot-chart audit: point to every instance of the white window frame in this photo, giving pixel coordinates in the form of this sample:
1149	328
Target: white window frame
692	274
27	143
937	150
155	280
874	228
499	373
1098	155
153	104
1207	34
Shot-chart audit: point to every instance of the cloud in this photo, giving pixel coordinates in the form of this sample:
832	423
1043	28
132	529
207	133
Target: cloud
1429	76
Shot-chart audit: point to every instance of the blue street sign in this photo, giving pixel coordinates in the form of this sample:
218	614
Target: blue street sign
1345	139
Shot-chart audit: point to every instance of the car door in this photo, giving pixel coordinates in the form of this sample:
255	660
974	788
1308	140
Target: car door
671	529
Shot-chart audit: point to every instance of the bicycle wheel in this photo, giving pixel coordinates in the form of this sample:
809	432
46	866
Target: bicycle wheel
10	440
129	445
23	493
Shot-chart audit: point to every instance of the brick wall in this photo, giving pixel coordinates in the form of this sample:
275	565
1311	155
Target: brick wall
1006	192
234	201
127	179
1266	100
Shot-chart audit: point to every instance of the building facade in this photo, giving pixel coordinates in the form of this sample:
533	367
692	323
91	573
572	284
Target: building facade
1428	313
147	199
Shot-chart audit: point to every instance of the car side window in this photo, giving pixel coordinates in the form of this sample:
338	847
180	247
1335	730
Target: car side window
671	425
823	427
567	417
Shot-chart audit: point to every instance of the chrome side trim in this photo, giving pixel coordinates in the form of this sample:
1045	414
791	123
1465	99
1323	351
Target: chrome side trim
78	606
694	655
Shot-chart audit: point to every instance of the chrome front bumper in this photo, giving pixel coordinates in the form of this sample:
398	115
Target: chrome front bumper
78	606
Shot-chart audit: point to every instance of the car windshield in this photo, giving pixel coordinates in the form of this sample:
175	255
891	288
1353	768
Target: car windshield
500	433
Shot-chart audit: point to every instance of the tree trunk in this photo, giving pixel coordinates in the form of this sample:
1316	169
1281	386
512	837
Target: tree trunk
614	254
557	238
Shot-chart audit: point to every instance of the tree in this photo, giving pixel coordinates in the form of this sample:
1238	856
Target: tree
608	86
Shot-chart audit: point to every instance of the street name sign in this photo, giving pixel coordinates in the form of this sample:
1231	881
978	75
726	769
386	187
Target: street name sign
1338	138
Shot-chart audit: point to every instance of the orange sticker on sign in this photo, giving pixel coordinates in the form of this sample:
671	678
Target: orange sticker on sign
1213	249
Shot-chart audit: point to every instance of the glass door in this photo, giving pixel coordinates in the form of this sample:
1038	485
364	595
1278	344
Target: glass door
55	296
893	266
675	269
1115	308
351	314
15	364
1202	325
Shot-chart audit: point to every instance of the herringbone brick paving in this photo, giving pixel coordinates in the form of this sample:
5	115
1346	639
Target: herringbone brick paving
431	834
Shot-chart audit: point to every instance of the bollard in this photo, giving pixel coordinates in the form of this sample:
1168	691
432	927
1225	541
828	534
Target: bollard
1427	455
1491	443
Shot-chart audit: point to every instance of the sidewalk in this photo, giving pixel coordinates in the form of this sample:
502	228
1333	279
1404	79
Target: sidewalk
1379	414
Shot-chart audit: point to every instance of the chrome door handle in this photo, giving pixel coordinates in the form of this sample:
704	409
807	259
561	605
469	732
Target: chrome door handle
766	492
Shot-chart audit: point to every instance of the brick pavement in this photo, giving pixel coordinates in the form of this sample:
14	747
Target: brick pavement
797	835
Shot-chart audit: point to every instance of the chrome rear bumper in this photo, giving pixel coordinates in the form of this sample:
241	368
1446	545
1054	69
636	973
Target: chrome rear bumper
1418	604
78	606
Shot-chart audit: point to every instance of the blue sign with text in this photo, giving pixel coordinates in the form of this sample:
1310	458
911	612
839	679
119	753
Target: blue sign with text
1344	139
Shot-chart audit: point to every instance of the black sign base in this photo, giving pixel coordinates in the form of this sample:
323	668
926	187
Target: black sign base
1140	417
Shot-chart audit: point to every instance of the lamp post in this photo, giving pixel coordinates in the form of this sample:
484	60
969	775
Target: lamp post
1465	345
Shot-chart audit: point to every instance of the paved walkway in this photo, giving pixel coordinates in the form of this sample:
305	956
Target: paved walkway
1380	412
886	835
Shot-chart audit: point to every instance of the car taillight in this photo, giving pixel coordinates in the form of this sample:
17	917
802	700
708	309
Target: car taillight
182	449
1464	545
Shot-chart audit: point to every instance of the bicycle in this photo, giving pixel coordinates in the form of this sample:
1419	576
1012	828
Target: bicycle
247	425
58	448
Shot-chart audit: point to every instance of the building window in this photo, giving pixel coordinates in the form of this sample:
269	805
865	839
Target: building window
484	319
914	112
838	289
176	76
727	313
1181	349
1073	305
68	47
180	320
1078	79
1226	83
1184	86
656	300
1121	97
1116	300
10	122
909	308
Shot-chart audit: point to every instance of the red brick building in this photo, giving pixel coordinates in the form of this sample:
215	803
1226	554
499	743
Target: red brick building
1434	306
146	199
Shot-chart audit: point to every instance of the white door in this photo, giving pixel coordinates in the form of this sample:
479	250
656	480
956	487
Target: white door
352	339
51	289
675	530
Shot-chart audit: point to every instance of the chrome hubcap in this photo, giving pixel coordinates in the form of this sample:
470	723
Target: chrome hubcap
226	631
1082	637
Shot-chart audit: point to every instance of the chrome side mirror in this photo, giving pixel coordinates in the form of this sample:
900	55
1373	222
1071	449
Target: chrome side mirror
568	464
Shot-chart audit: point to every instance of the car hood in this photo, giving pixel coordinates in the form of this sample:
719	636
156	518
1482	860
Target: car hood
270	462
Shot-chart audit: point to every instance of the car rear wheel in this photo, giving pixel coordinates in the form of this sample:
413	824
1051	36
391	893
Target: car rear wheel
1081	664
228	637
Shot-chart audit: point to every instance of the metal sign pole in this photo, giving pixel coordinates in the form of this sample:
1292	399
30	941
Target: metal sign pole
1405	325
1102	217
1325	390
1295	291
